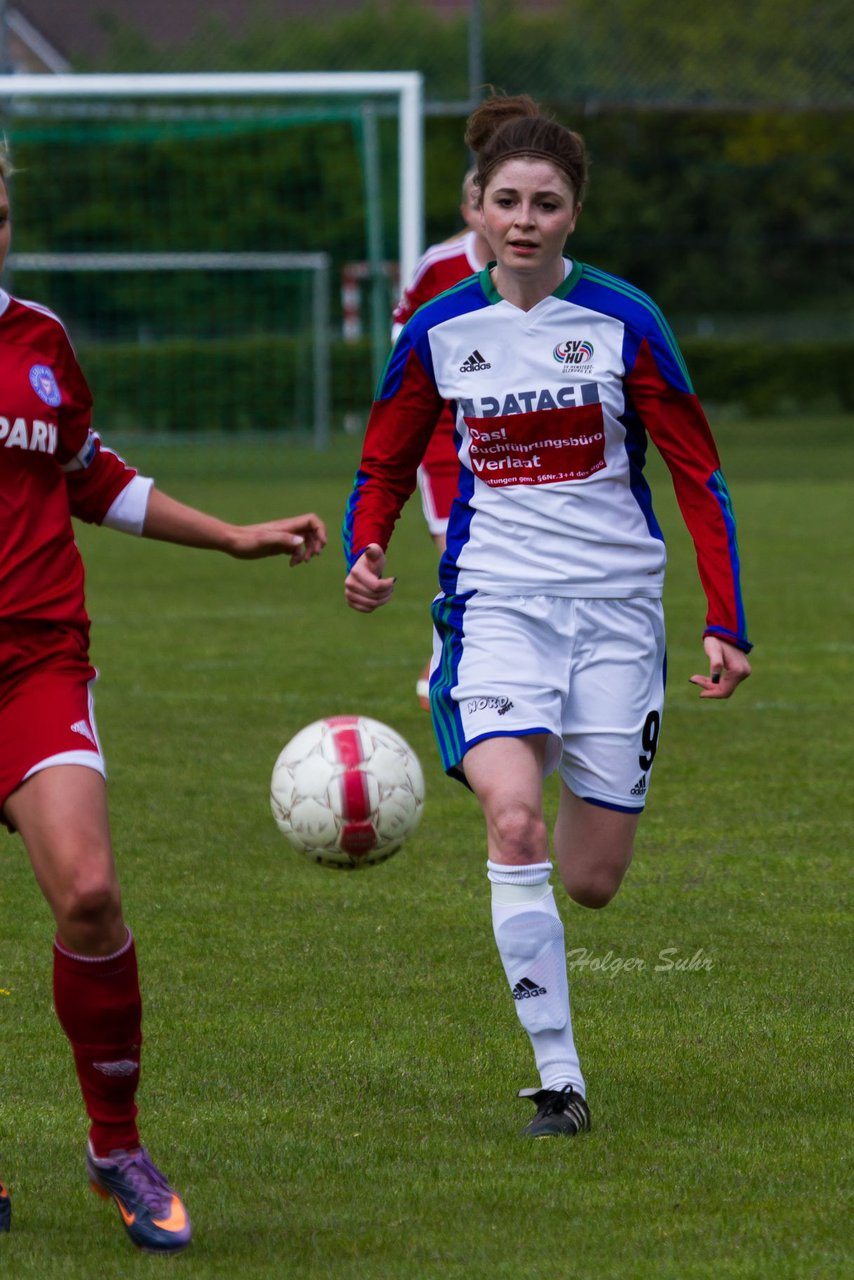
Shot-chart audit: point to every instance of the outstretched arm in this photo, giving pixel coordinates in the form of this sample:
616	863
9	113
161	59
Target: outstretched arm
299	537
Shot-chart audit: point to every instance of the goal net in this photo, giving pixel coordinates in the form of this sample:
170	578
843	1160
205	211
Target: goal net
193	231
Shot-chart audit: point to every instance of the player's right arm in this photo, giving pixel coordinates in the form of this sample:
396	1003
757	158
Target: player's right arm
365	589
402	420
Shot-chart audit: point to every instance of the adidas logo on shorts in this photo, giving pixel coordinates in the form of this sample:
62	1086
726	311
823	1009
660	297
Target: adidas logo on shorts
639	789
81	727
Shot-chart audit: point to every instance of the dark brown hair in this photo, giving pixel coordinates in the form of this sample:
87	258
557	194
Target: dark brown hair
502	127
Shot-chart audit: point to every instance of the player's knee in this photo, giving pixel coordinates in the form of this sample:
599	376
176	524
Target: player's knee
594	888
591	895
91	904
518	833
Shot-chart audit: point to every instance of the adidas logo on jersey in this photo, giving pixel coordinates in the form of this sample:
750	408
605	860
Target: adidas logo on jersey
527	990
475	363
639	789
81	727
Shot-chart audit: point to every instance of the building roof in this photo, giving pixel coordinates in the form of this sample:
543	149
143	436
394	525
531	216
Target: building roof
80	34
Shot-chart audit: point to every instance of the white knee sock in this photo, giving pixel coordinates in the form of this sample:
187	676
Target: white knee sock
529	935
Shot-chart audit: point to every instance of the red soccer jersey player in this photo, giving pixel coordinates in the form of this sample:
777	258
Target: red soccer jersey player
52	790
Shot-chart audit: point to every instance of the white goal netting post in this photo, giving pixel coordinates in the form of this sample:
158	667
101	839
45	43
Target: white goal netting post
317	264
272	146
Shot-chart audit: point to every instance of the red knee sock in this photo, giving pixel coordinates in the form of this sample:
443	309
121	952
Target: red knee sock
99	1008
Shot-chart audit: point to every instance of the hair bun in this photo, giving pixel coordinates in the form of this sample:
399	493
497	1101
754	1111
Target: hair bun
493	113
502	127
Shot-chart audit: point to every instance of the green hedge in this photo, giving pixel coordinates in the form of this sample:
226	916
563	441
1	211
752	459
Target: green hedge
251	384
761	378
265	383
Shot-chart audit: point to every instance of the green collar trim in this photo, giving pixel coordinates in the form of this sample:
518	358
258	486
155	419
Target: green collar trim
562	291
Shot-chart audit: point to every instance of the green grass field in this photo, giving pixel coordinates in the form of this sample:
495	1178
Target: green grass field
331	1059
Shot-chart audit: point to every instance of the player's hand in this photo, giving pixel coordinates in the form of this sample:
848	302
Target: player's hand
365	589
301	537
728	666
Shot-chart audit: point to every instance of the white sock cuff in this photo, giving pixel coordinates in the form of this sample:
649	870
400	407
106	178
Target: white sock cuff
513	886
116	955
531	873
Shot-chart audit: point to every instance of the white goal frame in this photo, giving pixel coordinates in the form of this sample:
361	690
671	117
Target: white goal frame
405	86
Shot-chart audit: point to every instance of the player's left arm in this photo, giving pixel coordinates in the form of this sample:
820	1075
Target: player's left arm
103	489
95	477
660	391
728	666
299	537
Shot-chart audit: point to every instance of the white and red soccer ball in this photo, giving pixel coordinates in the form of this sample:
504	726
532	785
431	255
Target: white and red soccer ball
347	791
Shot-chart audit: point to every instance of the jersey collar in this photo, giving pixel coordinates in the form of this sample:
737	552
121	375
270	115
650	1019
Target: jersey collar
570	280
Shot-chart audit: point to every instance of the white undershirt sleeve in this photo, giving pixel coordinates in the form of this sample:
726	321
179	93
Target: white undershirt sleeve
127	513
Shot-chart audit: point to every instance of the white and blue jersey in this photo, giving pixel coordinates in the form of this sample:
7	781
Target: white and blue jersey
553	410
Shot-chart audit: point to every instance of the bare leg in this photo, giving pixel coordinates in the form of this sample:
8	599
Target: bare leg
61	814
507	777
593	848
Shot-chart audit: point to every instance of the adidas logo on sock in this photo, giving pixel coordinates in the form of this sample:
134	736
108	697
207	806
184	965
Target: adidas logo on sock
475	363
527	990
123	1067
639	789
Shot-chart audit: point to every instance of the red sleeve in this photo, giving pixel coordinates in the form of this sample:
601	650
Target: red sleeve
96	482
677	426
399	429
421	289
74	419
94	477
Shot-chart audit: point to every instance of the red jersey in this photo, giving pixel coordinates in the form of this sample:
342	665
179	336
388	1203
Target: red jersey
52	466
440	268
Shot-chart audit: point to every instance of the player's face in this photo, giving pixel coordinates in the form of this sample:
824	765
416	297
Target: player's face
5	224
529	209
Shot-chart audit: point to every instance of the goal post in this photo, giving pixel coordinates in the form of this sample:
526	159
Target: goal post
317	264
298	154
404	86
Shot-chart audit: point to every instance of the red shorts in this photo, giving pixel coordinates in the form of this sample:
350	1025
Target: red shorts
47	713
438	475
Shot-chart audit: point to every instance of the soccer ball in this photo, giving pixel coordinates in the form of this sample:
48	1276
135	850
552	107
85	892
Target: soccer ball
347	791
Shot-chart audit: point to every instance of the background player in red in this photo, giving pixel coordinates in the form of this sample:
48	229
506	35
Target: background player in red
52	788
442	266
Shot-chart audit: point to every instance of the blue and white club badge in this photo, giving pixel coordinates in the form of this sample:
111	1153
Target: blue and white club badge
44	384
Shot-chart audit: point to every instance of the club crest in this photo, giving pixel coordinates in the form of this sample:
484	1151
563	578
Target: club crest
44	384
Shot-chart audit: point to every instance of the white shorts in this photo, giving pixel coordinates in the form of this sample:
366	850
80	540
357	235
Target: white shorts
589	673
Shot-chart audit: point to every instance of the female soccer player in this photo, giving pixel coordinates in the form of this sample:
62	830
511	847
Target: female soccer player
439	268
549	640
52	788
